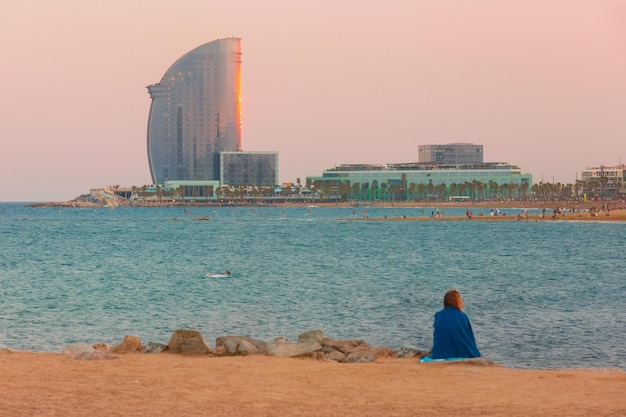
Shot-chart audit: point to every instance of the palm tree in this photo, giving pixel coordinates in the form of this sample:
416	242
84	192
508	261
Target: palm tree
356	191
462	188
431	188
375	190
472	189
384	192
502	189
403	188
493	189
412	190
604	180
442	190
512	187
524	190
421	189
480	186
173	193
453	189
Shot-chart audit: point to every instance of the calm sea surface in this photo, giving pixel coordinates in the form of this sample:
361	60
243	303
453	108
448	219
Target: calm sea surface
539	294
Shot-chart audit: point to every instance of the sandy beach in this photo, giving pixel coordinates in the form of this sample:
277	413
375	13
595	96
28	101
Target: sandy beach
165	384
483	214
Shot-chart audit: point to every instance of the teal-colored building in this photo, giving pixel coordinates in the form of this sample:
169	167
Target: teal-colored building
192	190
423	182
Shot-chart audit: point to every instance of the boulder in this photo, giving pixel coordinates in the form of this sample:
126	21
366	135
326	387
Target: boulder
335	356
4	350
344	346
284	349
152	347
360	356
311	336
240	345
102	347
368	354
130	344
188	342
406	352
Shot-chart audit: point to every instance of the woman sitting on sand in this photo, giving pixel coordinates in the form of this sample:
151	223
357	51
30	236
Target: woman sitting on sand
453	336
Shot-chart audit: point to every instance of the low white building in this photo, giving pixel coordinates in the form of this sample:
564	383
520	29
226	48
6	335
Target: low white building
604	180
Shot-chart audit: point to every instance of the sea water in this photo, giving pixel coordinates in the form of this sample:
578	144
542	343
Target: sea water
540	294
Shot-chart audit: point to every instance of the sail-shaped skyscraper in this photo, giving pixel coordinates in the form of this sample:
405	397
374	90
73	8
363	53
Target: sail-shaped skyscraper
196	113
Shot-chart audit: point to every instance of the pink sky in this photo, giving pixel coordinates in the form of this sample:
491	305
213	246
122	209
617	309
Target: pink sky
540	83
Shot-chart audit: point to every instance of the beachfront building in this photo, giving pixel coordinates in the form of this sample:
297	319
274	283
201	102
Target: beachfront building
451	153
191	190
603	181
196	113
249	168
422	182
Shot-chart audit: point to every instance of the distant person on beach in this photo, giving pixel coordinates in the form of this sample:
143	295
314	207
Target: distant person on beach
453	336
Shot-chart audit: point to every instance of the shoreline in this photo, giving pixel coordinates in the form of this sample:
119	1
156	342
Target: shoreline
507	204
612	211
167	384
617	216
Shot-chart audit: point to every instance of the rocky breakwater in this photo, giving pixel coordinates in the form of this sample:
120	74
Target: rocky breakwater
312	344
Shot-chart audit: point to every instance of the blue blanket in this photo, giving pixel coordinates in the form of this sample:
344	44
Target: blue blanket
453	336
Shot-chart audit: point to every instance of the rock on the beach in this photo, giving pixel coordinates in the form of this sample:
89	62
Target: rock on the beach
84	351
4	350
240	345
407	352
368	354
344	346
188	342
334	356
311	336
280	347
153	347
130	344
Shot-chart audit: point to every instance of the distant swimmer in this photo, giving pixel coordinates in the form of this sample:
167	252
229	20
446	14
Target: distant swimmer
225	274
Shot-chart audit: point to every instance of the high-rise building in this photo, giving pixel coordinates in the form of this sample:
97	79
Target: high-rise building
249	168
196	113
451	153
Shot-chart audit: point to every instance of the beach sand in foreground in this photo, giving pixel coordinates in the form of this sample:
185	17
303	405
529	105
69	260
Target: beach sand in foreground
48	384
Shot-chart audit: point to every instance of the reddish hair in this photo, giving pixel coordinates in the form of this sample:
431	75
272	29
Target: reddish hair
453	299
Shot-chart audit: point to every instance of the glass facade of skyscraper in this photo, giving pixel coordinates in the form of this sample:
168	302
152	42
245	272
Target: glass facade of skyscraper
196	113
249	168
